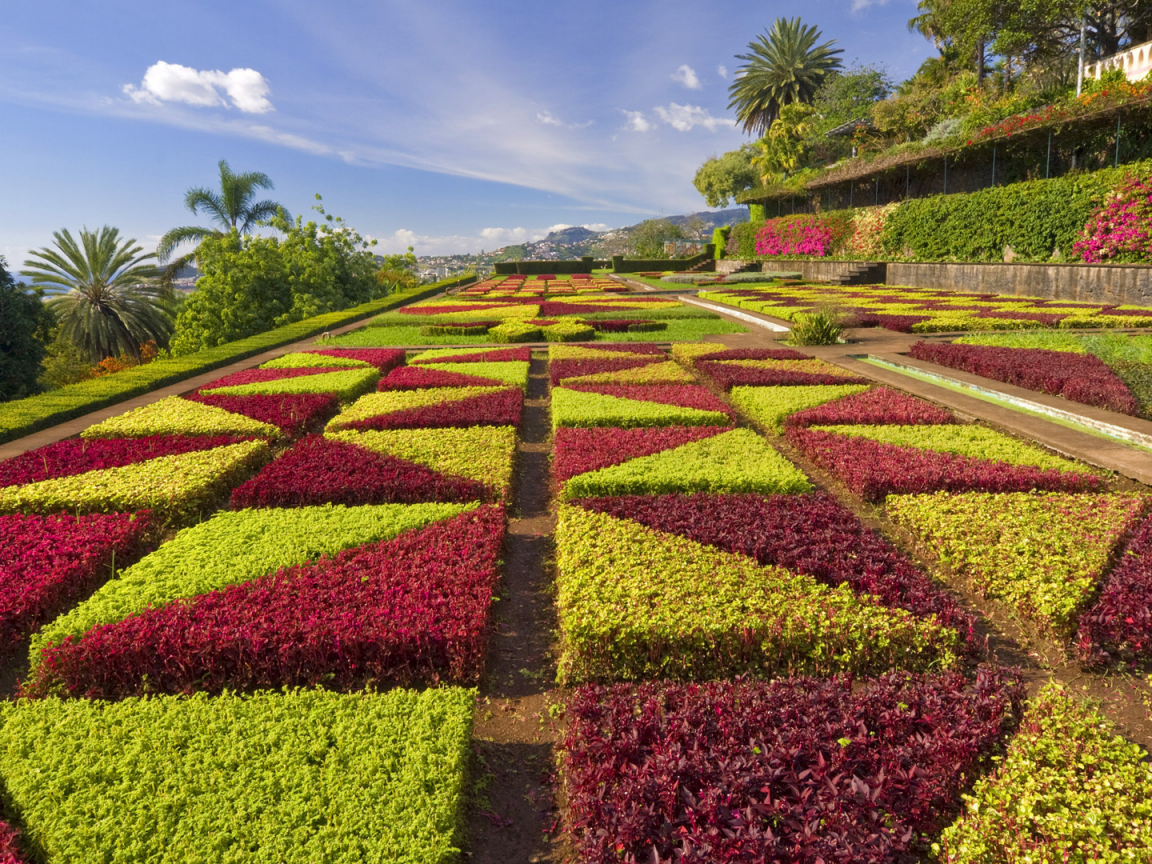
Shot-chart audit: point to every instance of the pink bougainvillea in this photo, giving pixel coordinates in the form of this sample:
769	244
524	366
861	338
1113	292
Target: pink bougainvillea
409	611
1121	230
795	235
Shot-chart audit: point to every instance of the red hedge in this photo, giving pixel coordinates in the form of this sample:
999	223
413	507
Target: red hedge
879	406
294	413
1118	627
80	455
728	377
258	376
496	355
684	395
488	409
452	310
50	563
319	470
793	772
874	469
417	378
755	354
384	359
405	612
578	450
561	369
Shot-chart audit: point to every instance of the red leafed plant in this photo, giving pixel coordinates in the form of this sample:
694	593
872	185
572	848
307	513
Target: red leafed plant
577	450
405	612
794	771
80	455
319	470
50	563
502	408
452	310
728	377
417	378
9	850
558	370
1117	630
878	406
874	469
684	395
1077	377
294	413
755	354
810	534
384	359
258	376
496	355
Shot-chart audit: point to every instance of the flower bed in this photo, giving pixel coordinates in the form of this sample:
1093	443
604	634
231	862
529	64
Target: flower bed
512	372
423	377
346	384
879	406
300	776
294	414
578	450
603	351
412	610
745	373
1069	789
176	488
1077	377
384	359
49	563
308	360
262	376
559	370
9	847
635	603
613	405
872	469
733	461
434	407
473	355
1042	555
798	770
319	470
1118	627
176	416
667	372
769	407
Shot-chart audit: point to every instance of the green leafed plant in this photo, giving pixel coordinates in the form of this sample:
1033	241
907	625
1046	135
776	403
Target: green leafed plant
176	416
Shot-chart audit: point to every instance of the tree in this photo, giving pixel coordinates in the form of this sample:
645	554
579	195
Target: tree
784	66
784	150
230	208
722	178
103	291
646	240
22	313
398	272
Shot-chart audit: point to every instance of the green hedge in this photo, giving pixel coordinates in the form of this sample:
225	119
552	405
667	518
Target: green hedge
25	416
620	264
535	268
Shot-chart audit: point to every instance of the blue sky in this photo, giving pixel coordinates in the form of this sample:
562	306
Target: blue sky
450	125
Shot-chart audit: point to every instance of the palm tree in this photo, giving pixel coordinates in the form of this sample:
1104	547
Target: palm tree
786	65
231	207
104	293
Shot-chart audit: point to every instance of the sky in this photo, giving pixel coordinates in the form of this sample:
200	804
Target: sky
448	125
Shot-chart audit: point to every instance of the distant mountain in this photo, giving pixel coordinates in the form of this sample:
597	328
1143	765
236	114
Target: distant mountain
571	236
713	218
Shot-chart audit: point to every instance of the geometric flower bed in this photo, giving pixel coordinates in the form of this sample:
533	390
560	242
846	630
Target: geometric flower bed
1068	789
605	351
1077	377
49	563
768	407
559	370
403	612
433	407
346	384
1118	627
637	603
793	770
319	470
1042	554
176	416
473	355
295	777
294	414
727	374
233	548
649	373
630	406
509	372
176	488
880	406
421	377
578	450
384	359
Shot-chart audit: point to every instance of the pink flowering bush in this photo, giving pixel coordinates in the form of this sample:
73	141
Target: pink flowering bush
1121	230
794	236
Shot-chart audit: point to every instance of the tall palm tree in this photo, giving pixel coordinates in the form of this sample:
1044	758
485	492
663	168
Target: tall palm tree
231	207
103	291
786	65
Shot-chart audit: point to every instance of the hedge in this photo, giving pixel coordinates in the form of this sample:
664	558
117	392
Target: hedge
24	416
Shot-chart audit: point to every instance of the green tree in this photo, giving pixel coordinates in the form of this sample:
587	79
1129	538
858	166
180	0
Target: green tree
722	178
103	291
646	240
785	65
22	314
250	284
231	208
785	150
398	272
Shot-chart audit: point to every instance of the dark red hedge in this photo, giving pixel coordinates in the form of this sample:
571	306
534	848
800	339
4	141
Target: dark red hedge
319	470
502	408
384	359
626	347
727	377
294	413
558	370
452	310
496	355
257	376
879	406
874	469
684	395
1079	378
1117	630
80	455
899	323
579	450
50	563
417	378
755	354
797	771
405	612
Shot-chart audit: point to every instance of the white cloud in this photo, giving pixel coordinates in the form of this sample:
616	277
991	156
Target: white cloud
686	117
858	5
170	82
487	238
722	71
637	122
686	75
547	119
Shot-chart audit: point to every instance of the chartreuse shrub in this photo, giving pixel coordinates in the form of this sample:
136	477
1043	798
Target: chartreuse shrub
735	461
978	442
514	372
1069	789
176	488
310	360
232	548
569	331
636	603
668	372
579	408
176	416
483	453
390	401
1041	554
516	331
768	406
292	776
347	384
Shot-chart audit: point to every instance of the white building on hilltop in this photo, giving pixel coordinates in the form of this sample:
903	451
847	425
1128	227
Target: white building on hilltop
1136	62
